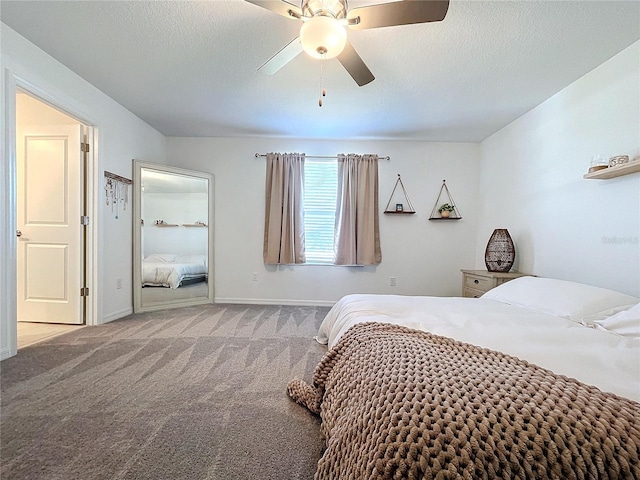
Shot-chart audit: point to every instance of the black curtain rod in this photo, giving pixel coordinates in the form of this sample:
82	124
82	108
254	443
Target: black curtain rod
381	157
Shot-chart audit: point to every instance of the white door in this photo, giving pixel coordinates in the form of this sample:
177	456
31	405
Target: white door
50	247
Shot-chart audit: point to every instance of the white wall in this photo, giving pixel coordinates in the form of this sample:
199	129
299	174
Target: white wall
425	256
30	111
531	181
179	209
122	137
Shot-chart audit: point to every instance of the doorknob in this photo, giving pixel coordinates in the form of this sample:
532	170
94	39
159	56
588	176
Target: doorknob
18	233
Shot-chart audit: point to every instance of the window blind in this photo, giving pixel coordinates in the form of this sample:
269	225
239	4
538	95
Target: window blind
320	194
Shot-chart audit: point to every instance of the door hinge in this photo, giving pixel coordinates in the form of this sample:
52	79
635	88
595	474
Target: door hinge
84	147
84	292
84	220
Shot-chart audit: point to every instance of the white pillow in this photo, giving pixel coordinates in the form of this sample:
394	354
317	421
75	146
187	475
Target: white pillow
625	323
574	301
197	259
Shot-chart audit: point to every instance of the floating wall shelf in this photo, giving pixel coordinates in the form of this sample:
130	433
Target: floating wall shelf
612	172
400	207
435	215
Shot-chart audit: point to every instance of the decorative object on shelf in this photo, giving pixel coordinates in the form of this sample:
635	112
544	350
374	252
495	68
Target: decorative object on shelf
598	162
445	210
162	223
400	206
618	160
500	252
117	191
596	168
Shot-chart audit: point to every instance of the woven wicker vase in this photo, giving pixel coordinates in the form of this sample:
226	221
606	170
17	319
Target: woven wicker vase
500	253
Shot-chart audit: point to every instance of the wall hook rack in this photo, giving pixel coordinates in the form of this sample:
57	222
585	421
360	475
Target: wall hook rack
116	191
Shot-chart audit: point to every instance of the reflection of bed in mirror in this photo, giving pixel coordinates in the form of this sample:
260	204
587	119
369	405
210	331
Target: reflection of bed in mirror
173	271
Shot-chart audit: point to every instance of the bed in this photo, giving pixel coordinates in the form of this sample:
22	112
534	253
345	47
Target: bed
173	271
539	378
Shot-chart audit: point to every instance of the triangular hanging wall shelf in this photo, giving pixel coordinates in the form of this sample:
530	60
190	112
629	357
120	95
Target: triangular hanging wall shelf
399	208
450	212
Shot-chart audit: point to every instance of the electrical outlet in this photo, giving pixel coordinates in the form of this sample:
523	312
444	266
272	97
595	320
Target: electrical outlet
392	281
254	277
119	283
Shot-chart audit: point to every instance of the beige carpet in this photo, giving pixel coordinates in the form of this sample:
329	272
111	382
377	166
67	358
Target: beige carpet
191	393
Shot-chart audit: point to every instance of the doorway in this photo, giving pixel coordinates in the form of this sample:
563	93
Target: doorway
51	191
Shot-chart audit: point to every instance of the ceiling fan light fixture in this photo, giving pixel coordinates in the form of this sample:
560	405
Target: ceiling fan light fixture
323	37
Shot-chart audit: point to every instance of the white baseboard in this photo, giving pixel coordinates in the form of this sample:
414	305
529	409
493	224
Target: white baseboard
270	301
116	315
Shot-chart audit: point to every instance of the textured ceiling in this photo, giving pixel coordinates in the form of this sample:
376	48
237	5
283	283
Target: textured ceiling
189	68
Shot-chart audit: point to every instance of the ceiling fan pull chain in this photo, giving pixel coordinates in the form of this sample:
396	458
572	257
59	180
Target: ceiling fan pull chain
323	91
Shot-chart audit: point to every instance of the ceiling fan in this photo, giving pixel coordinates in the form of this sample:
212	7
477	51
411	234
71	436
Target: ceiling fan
323	34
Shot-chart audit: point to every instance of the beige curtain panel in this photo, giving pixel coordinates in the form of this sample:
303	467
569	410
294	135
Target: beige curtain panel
357	223
284	214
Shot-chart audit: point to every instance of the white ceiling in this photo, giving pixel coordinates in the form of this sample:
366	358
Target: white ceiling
189	68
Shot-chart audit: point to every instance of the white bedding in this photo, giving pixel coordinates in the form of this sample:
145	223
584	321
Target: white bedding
595	357
170	270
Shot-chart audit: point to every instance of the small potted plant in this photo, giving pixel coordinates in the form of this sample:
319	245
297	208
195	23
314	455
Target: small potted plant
445	210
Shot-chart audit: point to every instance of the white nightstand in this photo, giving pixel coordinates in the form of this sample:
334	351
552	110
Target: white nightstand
477	282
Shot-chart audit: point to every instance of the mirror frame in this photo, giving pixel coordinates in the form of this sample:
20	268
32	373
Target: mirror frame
137	237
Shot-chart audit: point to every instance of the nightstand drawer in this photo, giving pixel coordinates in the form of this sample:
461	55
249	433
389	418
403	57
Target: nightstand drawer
476	282
472	293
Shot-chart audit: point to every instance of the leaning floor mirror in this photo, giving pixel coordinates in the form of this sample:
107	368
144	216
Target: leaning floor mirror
173	237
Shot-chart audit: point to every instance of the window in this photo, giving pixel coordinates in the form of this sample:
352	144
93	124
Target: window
297	214
320	194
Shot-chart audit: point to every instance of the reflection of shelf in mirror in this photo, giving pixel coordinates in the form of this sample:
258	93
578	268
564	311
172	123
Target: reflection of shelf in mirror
194	225
166	225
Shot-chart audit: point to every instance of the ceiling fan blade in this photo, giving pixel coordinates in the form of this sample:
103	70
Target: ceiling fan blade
405	12
356	67
284	56
281	7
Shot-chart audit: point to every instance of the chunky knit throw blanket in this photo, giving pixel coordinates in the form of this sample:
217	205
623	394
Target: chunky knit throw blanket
399	403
